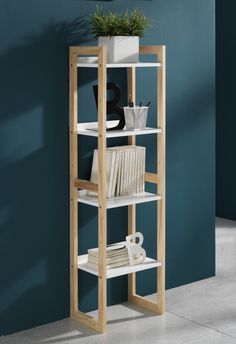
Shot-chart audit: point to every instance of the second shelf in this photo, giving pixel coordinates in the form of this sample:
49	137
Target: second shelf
120	201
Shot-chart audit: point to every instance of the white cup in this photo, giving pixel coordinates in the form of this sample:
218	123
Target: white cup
136	117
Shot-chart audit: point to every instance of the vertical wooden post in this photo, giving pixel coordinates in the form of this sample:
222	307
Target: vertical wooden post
161	152
73	175
102	211
131	208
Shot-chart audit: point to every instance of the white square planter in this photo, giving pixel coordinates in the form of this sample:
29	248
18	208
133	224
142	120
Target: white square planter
121	49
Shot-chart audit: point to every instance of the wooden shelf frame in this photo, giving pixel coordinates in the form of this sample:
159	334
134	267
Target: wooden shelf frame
76	183
100	324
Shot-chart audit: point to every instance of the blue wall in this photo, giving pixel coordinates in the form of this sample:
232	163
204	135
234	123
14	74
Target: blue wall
34	217
225	106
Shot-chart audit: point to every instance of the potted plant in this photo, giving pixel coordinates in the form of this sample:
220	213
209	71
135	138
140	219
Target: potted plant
120	32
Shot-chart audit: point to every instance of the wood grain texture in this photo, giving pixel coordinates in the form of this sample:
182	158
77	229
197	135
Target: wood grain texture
86	320
73	113
149	50
100	324
131	79
159	306
161	158
102	209
151	178
86	185
144	303
88	50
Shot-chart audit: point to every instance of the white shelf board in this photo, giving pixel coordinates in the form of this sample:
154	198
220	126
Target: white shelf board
117	202
121	65
123	270
90	129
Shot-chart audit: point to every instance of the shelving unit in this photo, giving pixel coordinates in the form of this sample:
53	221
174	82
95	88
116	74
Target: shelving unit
98	130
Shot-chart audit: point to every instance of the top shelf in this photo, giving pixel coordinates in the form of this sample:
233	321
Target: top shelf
120	65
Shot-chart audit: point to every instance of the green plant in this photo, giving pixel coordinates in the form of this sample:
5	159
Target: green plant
131	23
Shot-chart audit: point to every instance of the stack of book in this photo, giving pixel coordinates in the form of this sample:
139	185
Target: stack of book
125	170
117	255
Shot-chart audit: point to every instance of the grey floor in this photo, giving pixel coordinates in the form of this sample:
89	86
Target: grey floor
199	313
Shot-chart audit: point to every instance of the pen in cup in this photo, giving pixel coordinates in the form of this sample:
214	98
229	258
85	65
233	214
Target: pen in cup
131	103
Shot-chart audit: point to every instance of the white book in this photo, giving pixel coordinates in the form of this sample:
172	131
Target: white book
130	172
94	171
137	170
117	190
126	175
111	254
110	261
124	190
122	173
124	178
143	169
138	165
115	177
112	171
135	157
121	188
134	169
127	163
110	248
109	266
133	188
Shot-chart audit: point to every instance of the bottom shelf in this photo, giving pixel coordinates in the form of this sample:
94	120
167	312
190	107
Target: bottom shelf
123	270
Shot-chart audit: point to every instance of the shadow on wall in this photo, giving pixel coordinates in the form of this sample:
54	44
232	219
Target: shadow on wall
34	237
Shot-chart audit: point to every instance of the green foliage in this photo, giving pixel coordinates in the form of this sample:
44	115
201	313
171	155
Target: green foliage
131	23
